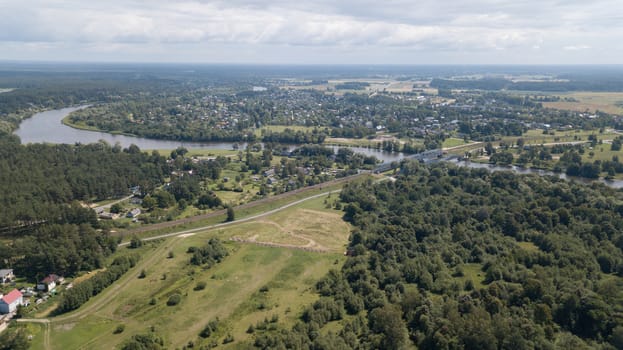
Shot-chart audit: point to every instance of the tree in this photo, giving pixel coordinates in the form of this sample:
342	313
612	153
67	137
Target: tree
489	148
520	143
135	242
387	321
116	208
14	339
231	216
616	144
149	202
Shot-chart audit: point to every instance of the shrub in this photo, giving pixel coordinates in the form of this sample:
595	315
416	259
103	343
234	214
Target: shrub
174	299
228	339
209	329
200	285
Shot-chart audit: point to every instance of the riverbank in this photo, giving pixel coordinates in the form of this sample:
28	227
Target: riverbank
80	126
47	127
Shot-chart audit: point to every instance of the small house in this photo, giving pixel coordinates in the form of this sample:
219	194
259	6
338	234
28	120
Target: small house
11	301
49	283
6	276
134	213
106	215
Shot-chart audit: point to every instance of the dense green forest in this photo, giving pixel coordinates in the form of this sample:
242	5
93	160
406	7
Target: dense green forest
44	226
454	258
38	181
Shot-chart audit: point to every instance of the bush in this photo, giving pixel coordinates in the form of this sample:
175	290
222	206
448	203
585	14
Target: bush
174	299
228	339
209	329
200	286
135	242
120	328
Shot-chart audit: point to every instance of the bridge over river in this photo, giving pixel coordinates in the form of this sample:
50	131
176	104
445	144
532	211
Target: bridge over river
425	157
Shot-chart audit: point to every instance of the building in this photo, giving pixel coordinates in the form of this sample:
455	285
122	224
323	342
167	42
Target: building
49	283
134	213
6	276
11	301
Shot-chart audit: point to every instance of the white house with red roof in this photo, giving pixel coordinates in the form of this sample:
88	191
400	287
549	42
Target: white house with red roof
11	301
49	283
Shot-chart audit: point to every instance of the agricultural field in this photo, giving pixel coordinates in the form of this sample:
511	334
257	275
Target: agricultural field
537	137
268	277
609	102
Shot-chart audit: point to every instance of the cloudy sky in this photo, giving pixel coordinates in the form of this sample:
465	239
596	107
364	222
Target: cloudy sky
314	31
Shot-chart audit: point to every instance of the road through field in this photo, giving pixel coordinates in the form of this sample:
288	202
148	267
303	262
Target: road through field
249	218
152	258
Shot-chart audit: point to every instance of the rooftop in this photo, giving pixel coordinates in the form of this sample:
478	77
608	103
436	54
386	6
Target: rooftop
12	296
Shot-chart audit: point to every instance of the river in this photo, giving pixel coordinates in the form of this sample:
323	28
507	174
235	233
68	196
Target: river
47	127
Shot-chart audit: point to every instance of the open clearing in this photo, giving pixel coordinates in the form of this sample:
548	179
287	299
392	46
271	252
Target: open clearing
609	102
253	283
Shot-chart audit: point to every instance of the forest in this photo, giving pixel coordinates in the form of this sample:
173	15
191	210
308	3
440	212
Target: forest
458	258
44	225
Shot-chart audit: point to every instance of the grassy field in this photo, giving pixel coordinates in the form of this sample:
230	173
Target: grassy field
243	212
609	102
601	152
281	128
308	225
536	136
253	283
453	142
474	273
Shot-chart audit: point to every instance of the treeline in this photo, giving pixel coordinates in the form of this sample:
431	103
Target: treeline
455	258
294	137
81	292
61	249
37	90
352	85
38	181
576	84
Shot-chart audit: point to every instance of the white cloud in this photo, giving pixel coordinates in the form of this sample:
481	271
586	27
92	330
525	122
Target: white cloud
498	29
576	47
